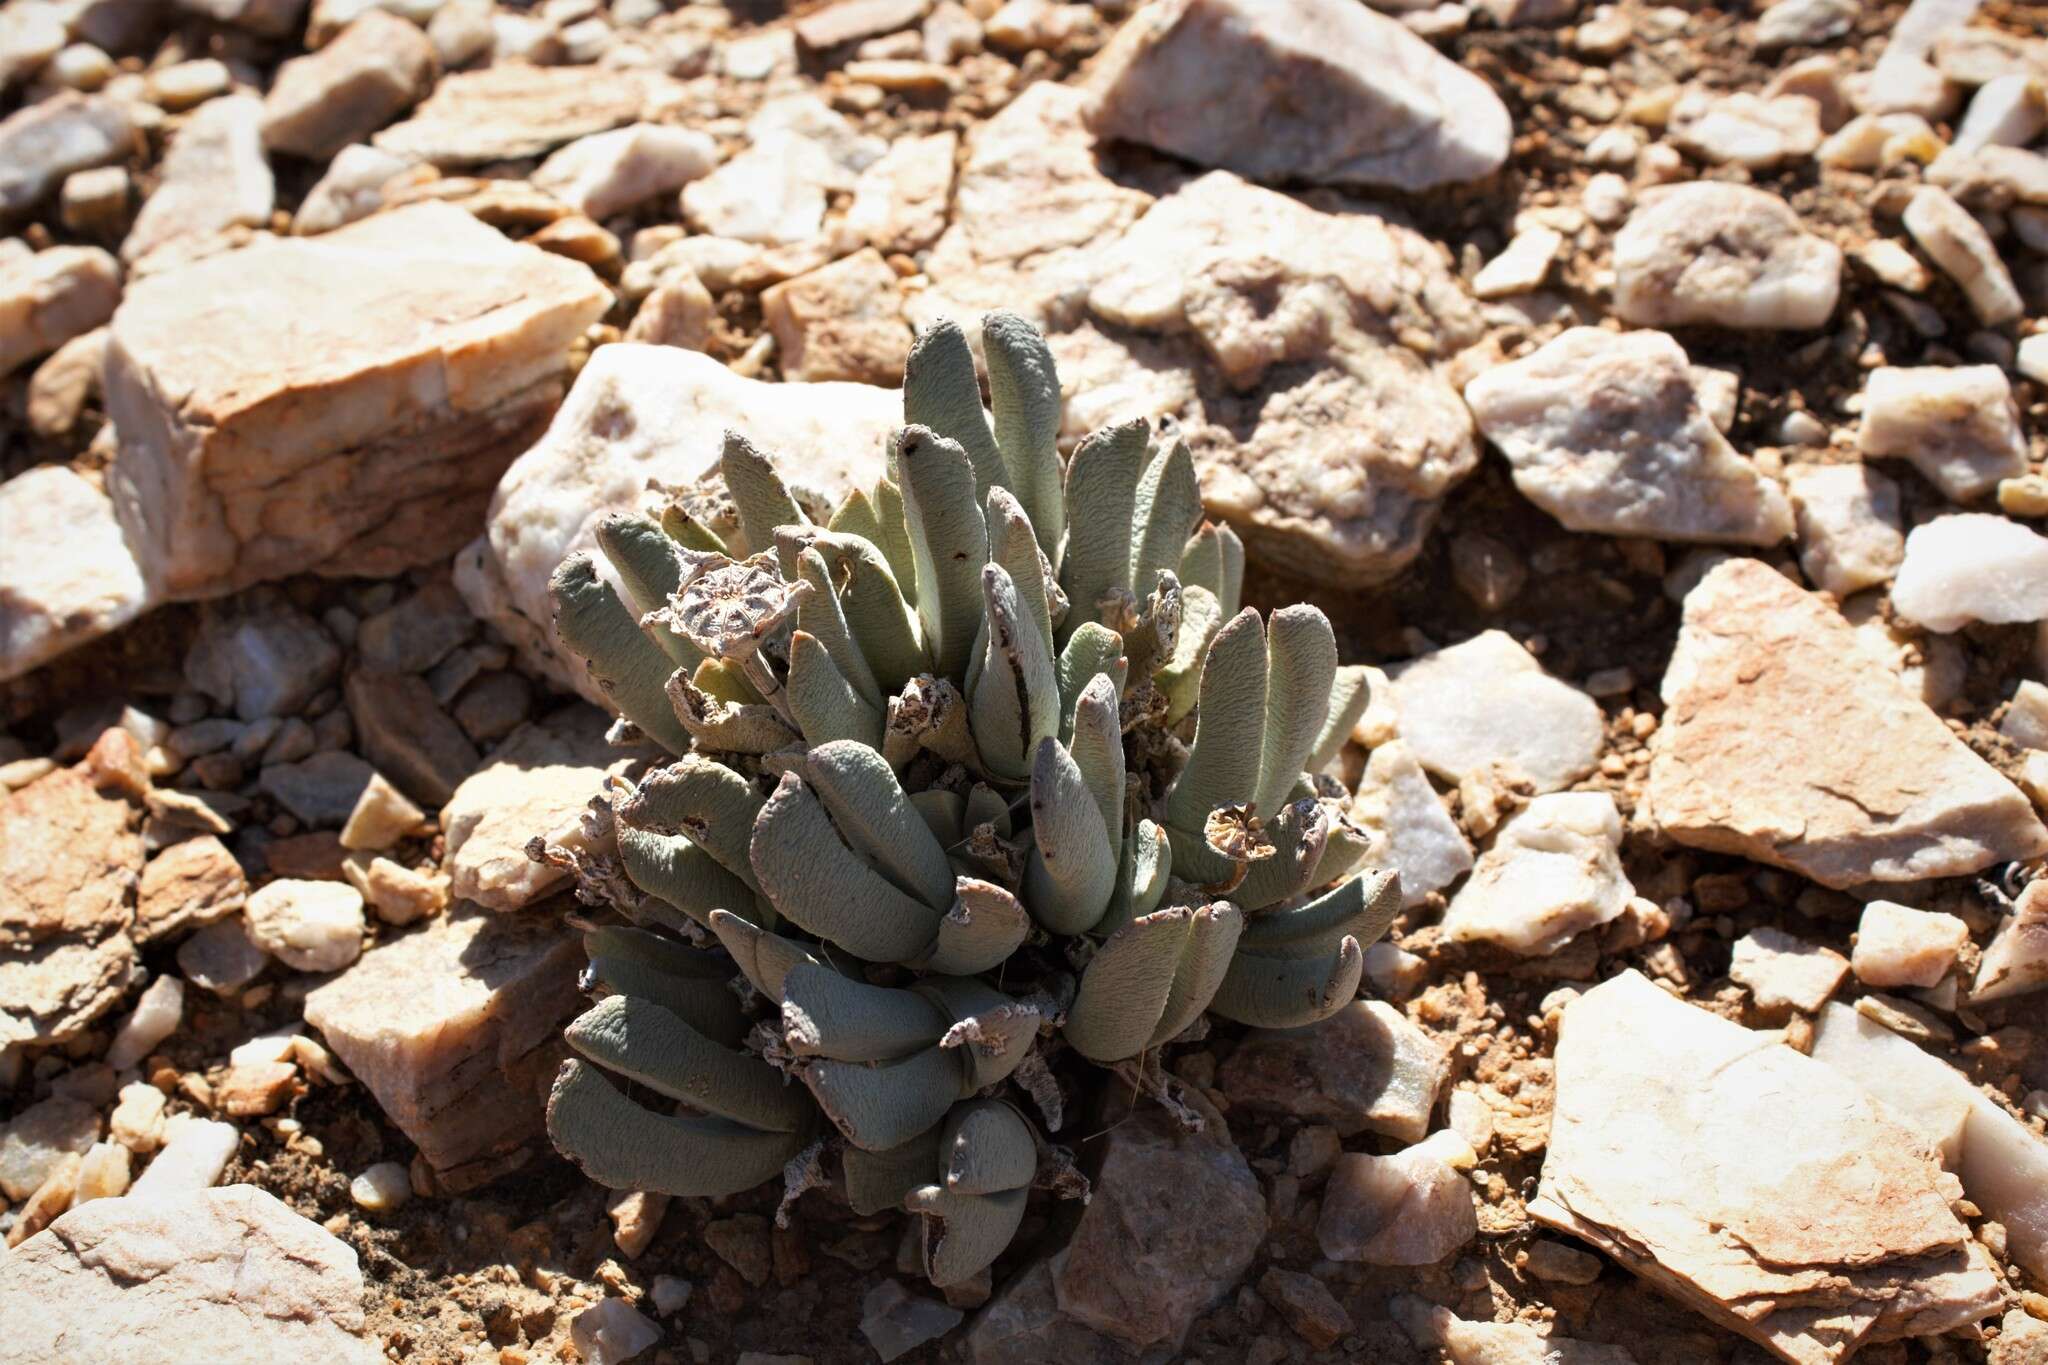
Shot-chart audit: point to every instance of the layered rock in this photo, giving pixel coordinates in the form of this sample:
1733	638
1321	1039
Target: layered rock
452	1027
271	424
1606	431
66	573
214	177
48	297
1325	436
227	1275
1782	742
512	110
1833	1235
640	413
537	783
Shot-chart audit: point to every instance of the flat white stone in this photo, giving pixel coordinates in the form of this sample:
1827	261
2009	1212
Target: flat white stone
194	1153
1848	521
66	572
155	1017
2006	111
1554	871
1318	90
2026	720
1957	424
608	172
1759	1186
214	176
2032	359
2003	1166
1744	129
773	192
48	297
1410	1208
1960	245
1899	946
1728	255
1421	840
1521	265
899	203
537	782
323	101
1607	432
642	412
1972	566
1486	706
1783	972
512	109
351	189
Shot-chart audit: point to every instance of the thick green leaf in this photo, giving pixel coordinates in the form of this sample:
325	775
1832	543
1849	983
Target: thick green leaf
941	392
622	1146
1303	671
630	669
1024	390
1223	763
818	884
643	1042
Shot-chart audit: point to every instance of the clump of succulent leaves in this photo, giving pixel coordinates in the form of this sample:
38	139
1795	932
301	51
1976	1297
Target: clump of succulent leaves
980	769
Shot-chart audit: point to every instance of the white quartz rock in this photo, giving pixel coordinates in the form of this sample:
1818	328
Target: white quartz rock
194	1154
2026	720
1783	972
1848	520
1486	706
608	172
1422	842
2003	1166
1730	255
67	574
154	1019
1957	424
1897	945
1521	265
1607	432
1960	245
312	926
2016	960
2006	111
1744	129
611	1332
1554	871
1972	566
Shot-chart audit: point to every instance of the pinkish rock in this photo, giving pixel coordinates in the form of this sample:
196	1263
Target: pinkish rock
1364	1069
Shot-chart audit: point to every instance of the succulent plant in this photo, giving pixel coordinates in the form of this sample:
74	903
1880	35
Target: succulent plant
982	765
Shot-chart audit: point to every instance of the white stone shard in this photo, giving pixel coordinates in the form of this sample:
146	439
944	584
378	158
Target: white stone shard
1898	946
1785	973
1319	90
1958	425
48	297
1607	432
2016	960
309	926
1554	871
2026	719
2007	111
215	176
1487	707
156	1017
67	574
195	1152
537	782
1729	255
608	172
352	188
1415	835
2003	1166
1832	1234
1848	521
1521	265
1410	1208
1960	245
1972	566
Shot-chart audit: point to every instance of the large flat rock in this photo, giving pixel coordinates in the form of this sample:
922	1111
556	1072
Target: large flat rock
451	1026
229	1276
1783	743
1318	90
1832	1235
272	423
509	111
640	413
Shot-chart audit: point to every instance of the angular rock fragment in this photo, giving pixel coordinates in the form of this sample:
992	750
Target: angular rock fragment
1364	1069
1329	439
896	1322
1554	871
536	783
1786	973
605	173
271	424
39	1137
1487	707
1317	90
341	93
214	177
269	659
2016	960
1411	1208
1972	566
1959	245
352	188
2003	1165
1173	1223
1497	1343
310	926
1730	255
844	321
1744	129
1030	211
513	110
406	734
66	573
230	1276
1783	743
899	202
1606	432
49	297
221	957
1023	1325
651	412
452	1027
1848	520
1416	836
1956	424
1833	1235
322	791
1897	946
46	140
